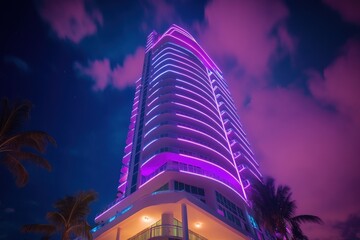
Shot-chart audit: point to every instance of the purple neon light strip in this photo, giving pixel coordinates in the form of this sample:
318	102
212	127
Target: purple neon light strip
204	58
192	142
219	77
255	175
122	184
233	114
202	54
234	122
236	192
156	58
222	86
184	53
153	93
151	119
185	117
178	56
175	28
152	109
240	132
134	110
148	160
152	101
201	145
168	50
150	143
252	164
194	119
197	131
170	70
182	96
245	144
211	163
227	96
245	148
220	82
227	140
184	69
242	168
173	59
188	53
135	103
229	105
128	145
200	96
179	80
182	31
107	210
153	85
148	132
151	179
179	95
194	109
190	99
127	154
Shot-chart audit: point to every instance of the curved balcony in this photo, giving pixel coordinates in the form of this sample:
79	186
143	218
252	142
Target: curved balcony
169	231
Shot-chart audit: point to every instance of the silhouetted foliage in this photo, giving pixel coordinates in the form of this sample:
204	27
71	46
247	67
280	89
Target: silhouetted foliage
14	143
275	210
69	218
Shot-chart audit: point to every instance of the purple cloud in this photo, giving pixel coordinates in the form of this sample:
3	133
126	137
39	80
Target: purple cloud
348	9
242	29
98	70
339	84
120	77
297	138
71	19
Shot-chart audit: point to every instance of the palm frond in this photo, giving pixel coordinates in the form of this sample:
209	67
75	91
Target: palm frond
57	219
69	218
16	168
275	210
81	207
297	233
65	205
37	140
306	218
33	158
12	117
81	229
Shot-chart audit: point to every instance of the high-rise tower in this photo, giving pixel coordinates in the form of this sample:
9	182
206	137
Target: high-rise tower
187	162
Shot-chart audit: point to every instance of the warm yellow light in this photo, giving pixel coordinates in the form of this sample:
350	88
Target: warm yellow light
146	219
198	225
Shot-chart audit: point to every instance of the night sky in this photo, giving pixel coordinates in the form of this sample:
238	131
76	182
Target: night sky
293	68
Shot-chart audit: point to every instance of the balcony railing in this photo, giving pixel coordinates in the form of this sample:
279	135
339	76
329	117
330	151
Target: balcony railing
178	166
172	231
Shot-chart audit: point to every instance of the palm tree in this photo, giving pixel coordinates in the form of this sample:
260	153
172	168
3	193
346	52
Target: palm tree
275	210
69	219
14	143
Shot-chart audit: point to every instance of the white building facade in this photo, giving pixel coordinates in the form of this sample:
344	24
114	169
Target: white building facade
187	164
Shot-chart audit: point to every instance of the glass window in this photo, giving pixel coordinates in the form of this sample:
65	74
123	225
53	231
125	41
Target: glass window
187	188
194	190
201	192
